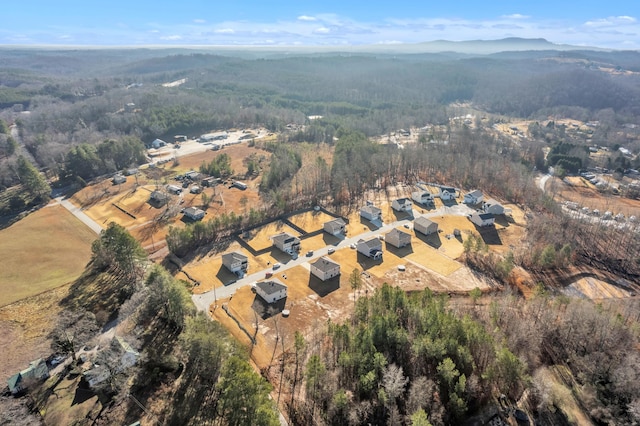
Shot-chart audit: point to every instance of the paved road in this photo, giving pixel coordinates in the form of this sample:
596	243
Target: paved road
93	225
203	301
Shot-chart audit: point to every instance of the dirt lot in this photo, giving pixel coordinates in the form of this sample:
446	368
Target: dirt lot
260	238
52	242
582	192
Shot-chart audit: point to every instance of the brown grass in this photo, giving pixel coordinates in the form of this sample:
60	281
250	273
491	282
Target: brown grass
45	250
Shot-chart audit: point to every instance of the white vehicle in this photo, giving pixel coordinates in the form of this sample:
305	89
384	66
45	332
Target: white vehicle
276	266
331	250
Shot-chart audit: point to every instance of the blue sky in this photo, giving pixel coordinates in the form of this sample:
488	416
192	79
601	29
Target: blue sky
611	24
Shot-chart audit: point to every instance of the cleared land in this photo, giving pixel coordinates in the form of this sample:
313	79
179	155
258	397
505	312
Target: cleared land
52	243
580	191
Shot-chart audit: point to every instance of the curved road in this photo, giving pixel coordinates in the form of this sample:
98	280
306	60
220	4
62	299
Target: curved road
204	300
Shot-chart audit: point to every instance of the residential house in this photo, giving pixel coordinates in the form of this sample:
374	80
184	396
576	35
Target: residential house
194	213
131	172
371	213
473	197
236	262
174	189
158	143
422	197
398	238
118	179
335	227
271	291
36	371
325	268
482	219
402	205
371	248
239	185
425	226
158	198
286	243
447	193
493	207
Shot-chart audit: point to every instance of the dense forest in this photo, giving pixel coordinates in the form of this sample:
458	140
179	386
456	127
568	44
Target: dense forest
375	94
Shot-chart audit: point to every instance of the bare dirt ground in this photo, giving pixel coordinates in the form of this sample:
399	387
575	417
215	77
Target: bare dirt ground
580	191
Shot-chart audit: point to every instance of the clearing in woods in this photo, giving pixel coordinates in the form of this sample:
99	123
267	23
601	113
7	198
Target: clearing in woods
54	245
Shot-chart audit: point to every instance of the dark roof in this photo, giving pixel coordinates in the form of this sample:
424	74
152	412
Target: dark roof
282	238
233	256
325	264
484	216
372	244
447	189
14	381
336	223
403	201
475	193
157	195
271	286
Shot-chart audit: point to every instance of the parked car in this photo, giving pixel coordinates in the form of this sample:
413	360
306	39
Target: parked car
331	250
309	253
276	266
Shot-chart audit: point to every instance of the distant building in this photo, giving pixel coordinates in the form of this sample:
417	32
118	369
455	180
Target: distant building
473	197
131	172
286	243
239	185
422	197
425	226
130	107
402	205
118	179
371	213
371	248
158	198
36	371
210	181
325	268
335	226
174	189
447	193
194	213
158	143
482	219
271	291
397	238
208	137
193	175
235	262
492	206
195	189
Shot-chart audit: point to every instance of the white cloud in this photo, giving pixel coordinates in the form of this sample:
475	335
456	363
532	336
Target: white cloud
306	18
173	37
200	21
611	21
322	30
515	16
224	31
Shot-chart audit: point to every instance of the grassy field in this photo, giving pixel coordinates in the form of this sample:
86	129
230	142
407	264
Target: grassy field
47	249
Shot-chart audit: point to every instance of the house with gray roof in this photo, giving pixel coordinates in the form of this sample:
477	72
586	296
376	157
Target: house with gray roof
425	226
473	197
194	213
398	238
371	248
236	262
325	268
482	219
402	205
493	206
271	291
286	243
371	213
335	227
447	193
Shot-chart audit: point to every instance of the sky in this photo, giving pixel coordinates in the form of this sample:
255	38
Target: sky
609	24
